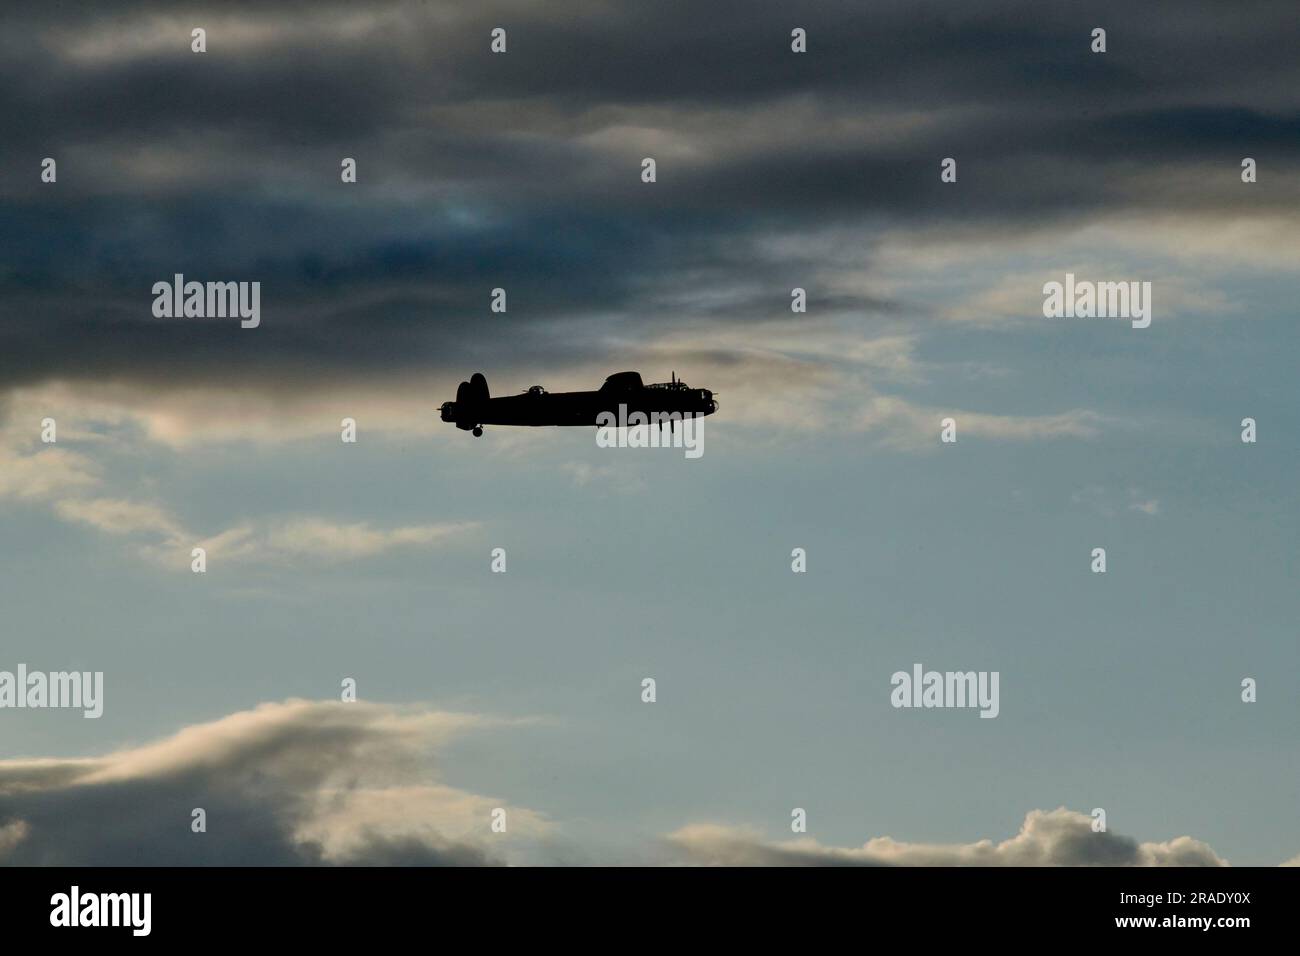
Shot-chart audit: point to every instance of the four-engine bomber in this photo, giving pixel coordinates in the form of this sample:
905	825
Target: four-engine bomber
623	392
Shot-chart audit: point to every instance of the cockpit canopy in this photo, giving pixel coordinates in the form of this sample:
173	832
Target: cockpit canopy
622	382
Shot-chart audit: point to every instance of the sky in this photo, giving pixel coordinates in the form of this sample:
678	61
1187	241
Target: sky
523	691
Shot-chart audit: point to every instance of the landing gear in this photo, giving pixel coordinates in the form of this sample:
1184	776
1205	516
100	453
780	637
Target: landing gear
478	431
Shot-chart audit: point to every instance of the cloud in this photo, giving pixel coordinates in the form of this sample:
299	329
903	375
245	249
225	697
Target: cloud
522	171
298	782
584	474
120	516
317	782
44	474
905	425
70	483
1109	502
12	834
1058	837
316	538
1018	297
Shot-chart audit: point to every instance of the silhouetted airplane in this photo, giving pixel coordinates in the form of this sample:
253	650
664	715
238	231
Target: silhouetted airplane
622	394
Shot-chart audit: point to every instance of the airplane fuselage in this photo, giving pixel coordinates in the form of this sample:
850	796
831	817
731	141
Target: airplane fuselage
622	395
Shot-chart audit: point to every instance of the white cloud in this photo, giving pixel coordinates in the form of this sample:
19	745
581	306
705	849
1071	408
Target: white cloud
1058	837
63	480
905	425
623	480
321	782
1018	297
316	538
125	39
1108	502
45	474
293	782
119	516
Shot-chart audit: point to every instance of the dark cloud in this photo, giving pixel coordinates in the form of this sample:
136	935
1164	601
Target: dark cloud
521	171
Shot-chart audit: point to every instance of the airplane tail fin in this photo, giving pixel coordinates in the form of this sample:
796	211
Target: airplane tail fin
473	391
470	396
478	382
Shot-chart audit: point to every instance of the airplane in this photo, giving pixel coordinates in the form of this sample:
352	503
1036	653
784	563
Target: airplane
474	408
